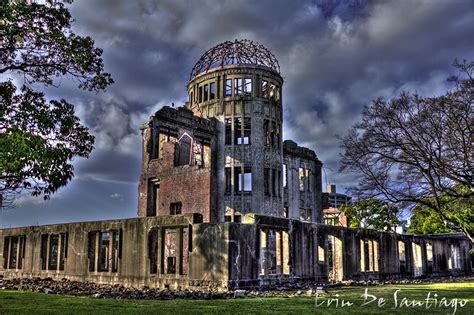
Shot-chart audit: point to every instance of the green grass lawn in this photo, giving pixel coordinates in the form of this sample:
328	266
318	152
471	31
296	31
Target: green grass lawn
13	302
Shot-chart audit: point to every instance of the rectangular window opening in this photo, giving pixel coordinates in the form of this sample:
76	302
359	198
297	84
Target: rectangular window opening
266	181
265	88
206	92
248	86
228	131
301	178
238	86
228	180
266	132
175	208
228	87
212	90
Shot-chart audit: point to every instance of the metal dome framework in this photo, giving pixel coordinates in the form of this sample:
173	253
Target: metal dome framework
245	52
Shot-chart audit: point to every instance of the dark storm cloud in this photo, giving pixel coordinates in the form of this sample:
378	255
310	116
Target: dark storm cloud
335	56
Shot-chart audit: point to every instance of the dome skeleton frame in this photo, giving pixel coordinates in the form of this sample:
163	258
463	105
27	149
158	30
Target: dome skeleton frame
245	52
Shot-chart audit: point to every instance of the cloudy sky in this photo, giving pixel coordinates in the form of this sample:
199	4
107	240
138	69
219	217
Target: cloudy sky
335	57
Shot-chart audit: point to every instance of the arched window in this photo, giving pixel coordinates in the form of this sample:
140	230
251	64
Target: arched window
183	156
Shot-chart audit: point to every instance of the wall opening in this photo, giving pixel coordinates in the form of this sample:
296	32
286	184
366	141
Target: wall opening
335	259
402	257
14	252
417	260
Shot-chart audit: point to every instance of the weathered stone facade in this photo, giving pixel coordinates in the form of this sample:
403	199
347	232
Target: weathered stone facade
225	203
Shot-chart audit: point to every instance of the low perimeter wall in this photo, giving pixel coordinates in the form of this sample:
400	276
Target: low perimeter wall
179	252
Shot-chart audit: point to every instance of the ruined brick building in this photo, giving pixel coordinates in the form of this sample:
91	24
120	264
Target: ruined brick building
225	202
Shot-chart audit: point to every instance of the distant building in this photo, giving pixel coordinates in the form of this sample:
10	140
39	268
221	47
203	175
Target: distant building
336	200
332	203
334	216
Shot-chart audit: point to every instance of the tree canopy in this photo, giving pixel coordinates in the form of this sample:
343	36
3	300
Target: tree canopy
418	151
39	137
372	213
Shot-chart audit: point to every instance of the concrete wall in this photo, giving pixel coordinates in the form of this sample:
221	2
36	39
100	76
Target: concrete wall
308	197
207	260
256	155
263	250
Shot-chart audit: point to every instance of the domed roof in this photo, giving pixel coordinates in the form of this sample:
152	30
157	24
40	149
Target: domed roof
243	51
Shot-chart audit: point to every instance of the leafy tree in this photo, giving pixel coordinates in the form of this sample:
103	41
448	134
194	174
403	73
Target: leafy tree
39	137
418	151
372	213
426	221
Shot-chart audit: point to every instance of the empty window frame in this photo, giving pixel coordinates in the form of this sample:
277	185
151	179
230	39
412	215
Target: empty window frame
265	88
175	208
274	252
266	181
285	176
248	86
200	94
429	252
401	251
14	252
153	250
369	255
273	92
176	244
321	251
228	131
307	178
238	86
301	179
237	130
212	90
183	152
279	184
206	92
164	136
242	132
198	153
266	132
273	135
242	180
454	260
104	250
170	251
228	87
53	252
247	131
275	182
228	180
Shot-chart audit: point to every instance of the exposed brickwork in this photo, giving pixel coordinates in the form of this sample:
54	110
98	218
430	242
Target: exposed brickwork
162	182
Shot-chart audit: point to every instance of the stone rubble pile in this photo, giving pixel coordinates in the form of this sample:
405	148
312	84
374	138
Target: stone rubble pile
76	288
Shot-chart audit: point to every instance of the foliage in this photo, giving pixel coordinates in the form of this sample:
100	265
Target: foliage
39	137
372	213
415	150
425	221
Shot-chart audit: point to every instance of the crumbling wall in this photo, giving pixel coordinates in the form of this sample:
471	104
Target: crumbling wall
302	192
179	251
178	165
